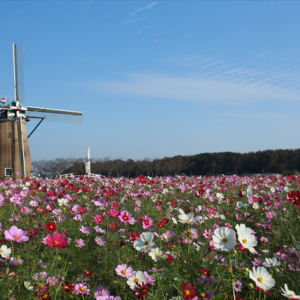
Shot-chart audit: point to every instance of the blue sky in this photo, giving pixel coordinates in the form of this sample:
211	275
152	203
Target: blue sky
156	79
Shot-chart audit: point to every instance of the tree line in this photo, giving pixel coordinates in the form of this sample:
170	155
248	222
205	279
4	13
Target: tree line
274	161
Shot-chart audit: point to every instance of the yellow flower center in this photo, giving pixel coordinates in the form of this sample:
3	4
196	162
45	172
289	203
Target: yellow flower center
156	255
188	220
16	237
244	241
260	279
225	240
123	272
136	280
272	263
187	292
56	242
202	295
1	251
82	289
146	243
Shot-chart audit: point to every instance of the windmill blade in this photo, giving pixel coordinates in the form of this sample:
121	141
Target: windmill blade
55	115
18	53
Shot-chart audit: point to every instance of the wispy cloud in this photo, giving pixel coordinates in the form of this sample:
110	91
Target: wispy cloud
143	8
198	89
270	116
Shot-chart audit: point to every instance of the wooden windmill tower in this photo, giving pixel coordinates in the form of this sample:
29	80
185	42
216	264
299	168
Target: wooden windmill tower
15	160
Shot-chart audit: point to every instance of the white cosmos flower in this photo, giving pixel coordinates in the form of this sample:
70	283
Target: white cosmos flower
174	220
222	217
239	204
201	219
224	238
144	242
196	247
288	293
219	196
138	277
62	201
181	211
155	254
4	251
296	250
245	237
28	285
272	262
262	278
186	219
255	205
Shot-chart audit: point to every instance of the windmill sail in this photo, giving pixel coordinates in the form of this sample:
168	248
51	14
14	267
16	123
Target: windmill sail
55	115
19	52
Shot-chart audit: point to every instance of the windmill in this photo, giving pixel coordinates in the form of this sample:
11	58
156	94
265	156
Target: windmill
15	160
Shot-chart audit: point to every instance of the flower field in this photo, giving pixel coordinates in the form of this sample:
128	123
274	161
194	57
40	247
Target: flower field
150	238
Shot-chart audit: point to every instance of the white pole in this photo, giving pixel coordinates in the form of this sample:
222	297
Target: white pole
88	161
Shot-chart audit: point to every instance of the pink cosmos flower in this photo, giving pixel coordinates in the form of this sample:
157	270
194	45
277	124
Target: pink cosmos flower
58	240
85	229
124	271
113	212
147	222
80	243
81	289
125	216
208	233
99	219
16	234
99	241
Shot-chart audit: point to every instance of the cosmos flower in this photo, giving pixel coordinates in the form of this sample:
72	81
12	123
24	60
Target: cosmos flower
124	271
51	226
262	278
224	238
144	242
246	238
57	240
155	254
138	277
16	234
288	293
28	285
5	252
272	262
125	216
186	219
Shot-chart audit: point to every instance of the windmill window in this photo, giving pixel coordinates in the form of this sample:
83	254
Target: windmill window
9	135
8	172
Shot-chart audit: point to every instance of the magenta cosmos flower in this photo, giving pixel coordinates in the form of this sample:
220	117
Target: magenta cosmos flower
124	271
16	234
58	240
125	216
113	212
147	222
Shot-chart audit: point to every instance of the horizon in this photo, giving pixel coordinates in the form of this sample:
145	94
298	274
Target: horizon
155	78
